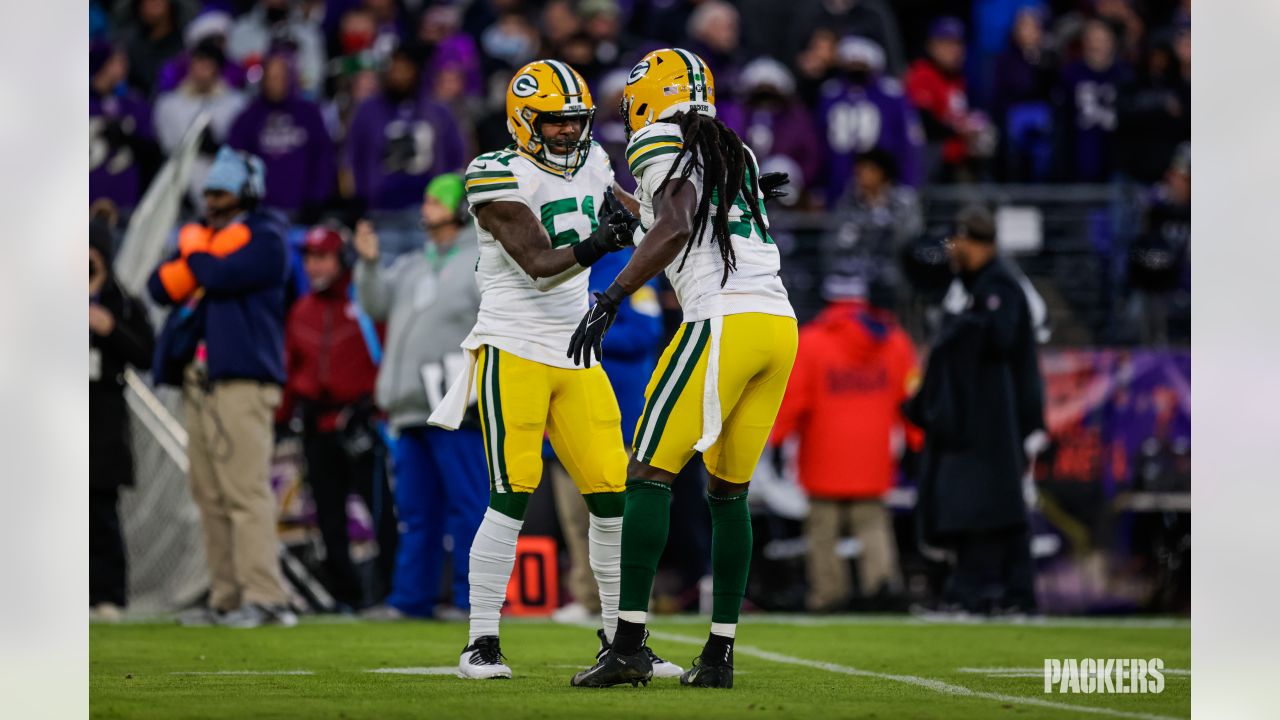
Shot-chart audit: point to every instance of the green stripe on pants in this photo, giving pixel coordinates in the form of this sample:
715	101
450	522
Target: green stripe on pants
502	427
638	440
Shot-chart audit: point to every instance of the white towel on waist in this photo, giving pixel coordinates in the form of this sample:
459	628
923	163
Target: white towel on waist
462	393
711	421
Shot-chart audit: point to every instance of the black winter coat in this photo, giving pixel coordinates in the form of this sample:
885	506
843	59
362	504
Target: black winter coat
131	342
981	397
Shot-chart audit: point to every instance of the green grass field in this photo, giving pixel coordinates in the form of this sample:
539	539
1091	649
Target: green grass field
829	667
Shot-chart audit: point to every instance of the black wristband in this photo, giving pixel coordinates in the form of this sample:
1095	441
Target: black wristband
615	294
588	252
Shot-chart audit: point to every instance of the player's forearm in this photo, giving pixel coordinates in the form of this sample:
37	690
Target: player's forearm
664	242
629	201
546	263
550	283
659	248
524	239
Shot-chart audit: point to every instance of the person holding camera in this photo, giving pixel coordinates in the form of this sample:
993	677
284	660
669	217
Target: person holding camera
330	351
429	300
119	335
224	345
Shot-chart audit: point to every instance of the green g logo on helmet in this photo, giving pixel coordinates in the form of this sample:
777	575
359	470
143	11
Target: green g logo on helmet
638	71
524	85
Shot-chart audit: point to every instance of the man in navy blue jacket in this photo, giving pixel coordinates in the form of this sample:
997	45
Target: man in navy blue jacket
224	343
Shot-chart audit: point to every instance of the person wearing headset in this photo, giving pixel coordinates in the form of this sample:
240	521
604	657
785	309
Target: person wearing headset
224	345
331	352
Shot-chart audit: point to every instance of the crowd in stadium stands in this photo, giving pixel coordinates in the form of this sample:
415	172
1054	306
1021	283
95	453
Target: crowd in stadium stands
355	107
360	102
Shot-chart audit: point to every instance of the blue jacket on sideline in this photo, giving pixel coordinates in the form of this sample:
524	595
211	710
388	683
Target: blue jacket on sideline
241	315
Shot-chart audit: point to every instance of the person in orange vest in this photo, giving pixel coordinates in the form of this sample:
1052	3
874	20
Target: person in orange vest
854	368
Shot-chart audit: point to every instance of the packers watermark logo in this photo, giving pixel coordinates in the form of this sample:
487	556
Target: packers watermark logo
638	71
1104	675
524	85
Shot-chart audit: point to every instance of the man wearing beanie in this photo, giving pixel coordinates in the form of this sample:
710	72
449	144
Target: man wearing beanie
429	300
224	344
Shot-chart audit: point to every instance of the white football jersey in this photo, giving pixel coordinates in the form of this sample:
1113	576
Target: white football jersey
515	316
755	285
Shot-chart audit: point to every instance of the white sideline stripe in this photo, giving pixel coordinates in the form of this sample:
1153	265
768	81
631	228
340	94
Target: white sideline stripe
1182	672
568	666
246	672
926	683
444	670
828	621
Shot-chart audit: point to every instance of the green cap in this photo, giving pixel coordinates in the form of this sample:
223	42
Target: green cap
447	189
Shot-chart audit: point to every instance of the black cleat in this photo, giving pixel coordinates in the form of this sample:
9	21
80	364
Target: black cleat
712	675
661	668
614	668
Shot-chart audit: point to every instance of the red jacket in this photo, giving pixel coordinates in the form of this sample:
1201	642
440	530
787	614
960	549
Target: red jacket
944	106
326	359
854	369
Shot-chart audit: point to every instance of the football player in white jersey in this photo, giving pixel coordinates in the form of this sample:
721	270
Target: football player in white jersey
718	385
546	211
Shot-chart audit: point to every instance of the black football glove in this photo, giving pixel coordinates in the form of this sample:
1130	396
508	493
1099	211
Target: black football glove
617	225
771	185
589	336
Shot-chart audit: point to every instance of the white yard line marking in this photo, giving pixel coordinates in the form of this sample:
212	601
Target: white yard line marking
246	672
927	683
446	670
1179	672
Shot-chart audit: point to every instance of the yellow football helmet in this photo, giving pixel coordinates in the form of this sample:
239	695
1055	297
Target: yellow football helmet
547	90
664	83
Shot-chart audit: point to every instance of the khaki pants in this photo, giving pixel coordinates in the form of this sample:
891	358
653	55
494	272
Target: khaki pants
872	525
574	523
229	449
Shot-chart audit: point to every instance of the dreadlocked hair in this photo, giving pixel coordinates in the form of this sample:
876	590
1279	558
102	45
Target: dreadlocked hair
717	151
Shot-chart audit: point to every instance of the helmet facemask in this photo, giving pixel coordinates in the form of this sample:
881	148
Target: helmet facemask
566	155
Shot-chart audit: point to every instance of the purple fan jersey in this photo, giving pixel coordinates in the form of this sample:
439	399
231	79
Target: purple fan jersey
295	146
856	118
394	149
113	169
770	132
1087	101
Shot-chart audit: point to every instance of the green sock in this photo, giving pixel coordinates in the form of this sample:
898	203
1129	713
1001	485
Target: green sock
730	554
644	536
512	504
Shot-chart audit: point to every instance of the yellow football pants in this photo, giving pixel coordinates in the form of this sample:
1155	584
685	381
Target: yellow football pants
756	355
520	400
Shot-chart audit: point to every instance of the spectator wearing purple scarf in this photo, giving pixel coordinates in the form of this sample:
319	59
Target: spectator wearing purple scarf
289	134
